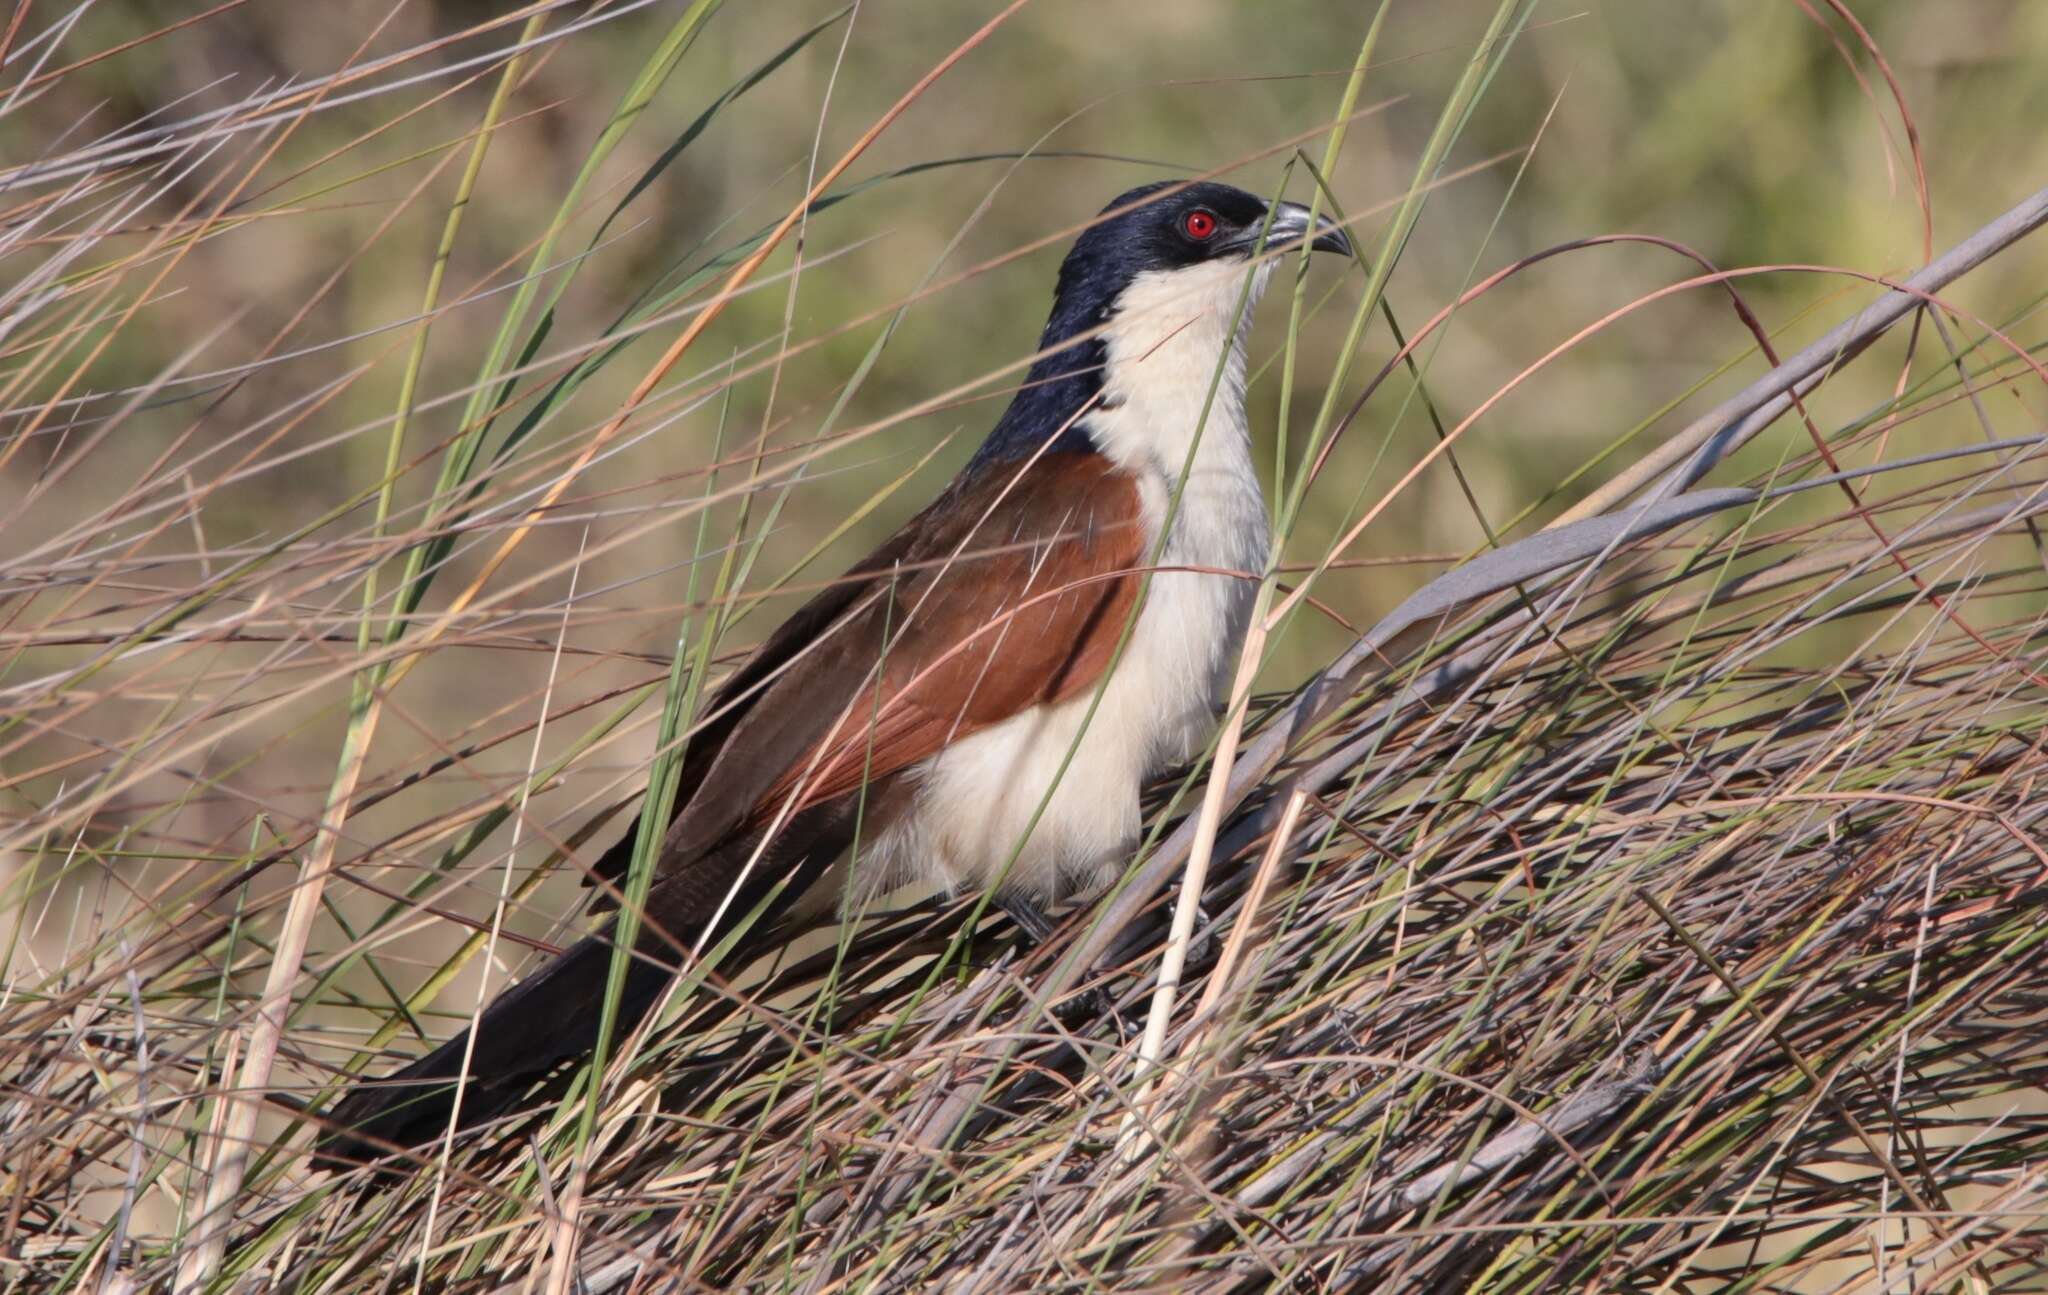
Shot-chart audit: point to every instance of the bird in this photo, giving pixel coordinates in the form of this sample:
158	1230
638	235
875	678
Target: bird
983	697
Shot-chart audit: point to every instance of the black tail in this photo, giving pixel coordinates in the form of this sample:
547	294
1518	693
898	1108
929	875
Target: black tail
529	1030
551	1017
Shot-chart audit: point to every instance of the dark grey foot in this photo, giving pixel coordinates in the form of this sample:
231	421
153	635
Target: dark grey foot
1090	1004
1202	943
1030	919
1095	1004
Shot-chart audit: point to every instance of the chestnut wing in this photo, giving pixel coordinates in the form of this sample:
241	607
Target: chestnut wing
1010	591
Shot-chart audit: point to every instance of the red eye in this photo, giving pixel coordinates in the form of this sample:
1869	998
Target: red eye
1198	225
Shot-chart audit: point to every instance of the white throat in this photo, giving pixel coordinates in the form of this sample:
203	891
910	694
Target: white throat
1164	342
1169	341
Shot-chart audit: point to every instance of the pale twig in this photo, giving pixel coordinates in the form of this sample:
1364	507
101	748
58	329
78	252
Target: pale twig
1254	900
1197	1089
231	1153
1173	959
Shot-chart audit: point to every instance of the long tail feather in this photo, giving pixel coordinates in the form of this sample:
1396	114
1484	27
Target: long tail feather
551	1017
535	1026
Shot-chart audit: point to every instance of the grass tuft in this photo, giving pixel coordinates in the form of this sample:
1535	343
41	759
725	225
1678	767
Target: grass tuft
1626	867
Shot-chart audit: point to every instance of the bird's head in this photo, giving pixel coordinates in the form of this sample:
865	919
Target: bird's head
1165	228
1164	251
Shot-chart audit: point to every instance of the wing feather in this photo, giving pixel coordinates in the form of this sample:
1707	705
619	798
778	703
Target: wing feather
983	632
1010	591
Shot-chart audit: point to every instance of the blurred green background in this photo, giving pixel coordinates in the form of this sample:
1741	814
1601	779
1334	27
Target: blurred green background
1757	133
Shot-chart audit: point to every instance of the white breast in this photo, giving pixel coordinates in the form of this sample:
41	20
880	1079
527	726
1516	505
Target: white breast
976	800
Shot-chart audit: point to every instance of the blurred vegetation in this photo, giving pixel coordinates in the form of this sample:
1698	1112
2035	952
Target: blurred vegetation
267	358
1750	132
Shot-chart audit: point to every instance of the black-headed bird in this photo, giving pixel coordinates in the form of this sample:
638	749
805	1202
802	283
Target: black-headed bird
941	692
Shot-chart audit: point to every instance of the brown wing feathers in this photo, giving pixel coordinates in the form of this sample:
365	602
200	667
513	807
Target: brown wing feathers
734	699
991	629
1008	592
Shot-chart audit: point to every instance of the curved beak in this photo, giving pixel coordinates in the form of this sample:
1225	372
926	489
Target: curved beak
1291	225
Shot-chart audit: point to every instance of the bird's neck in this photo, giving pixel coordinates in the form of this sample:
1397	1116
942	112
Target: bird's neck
1128	374
1172	394
1063	384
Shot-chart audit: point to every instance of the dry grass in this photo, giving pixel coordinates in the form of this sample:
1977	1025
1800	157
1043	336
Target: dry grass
1655	901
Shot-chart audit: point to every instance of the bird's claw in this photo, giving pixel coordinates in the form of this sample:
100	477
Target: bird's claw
1202	941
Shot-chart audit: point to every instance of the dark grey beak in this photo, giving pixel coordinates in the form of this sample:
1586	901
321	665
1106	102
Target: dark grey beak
1290	226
